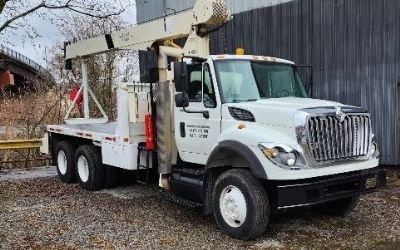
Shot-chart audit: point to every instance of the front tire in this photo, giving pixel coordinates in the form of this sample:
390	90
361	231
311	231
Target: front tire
64	157
339	207
240	205
89	166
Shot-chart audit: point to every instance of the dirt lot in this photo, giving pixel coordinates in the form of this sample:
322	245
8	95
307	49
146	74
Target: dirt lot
46	214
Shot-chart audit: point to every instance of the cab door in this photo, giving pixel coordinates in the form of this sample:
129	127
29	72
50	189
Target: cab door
196	134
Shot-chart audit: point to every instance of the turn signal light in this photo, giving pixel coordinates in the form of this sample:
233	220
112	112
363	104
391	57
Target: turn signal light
271	152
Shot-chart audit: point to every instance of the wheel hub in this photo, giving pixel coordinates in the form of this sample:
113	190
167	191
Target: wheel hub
83	169
233	206
62	162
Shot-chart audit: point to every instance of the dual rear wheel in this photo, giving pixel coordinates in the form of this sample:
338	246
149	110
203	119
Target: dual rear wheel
84	165
65	159
89	167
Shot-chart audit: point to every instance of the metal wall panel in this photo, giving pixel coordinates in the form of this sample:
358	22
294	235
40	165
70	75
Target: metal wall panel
151	9
353	46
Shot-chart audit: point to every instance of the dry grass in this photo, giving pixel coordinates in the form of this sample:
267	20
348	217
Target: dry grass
24	117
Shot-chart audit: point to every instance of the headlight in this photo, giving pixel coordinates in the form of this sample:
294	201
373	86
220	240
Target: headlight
283	156
374	152
289	158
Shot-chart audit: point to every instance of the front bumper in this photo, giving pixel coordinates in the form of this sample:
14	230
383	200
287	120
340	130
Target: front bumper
319	190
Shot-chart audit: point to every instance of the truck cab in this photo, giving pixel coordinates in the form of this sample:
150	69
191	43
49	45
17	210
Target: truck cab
261	103
251	115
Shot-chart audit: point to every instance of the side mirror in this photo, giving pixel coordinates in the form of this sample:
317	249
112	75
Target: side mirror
181	100
68	64
181	77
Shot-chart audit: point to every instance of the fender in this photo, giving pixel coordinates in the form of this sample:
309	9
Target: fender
240	149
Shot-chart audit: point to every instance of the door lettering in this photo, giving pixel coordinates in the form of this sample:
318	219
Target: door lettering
198	131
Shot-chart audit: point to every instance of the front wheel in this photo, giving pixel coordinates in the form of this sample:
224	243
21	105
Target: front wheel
240	205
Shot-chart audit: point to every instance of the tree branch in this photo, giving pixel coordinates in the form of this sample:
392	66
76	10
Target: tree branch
3	4
23	14
93	15
43	5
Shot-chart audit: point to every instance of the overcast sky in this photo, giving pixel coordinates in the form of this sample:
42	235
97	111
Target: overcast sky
49	36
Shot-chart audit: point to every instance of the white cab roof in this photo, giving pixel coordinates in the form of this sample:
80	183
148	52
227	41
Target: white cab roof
251	57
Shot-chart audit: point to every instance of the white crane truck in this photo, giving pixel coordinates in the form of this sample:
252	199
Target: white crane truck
234	134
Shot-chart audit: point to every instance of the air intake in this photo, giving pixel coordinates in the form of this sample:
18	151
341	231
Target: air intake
241	114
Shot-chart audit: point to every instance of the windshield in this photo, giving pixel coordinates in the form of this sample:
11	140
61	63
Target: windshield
243	81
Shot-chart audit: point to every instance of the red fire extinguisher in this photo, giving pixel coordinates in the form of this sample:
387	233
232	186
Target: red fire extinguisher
148	125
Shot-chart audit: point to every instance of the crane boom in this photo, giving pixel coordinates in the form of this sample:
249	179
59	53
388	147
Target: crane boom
193	24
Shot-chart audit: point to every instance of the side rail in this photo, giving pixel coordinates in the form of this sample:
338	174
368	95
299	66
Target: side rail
11	152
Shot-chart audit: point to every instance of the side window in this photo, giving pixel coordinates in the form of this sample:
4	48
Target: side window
208	88
194	90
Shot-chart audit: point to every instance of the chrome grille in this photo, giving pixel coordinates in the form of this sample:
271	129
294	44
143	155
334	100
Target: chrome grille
330	139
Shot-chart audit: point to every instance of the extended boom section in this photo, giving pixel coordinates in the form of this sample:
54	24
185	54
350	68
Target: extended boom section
195	24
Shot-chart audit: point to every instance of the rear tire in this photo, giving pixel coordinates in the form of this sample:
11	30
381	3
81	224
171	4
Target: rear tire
339	207
89	166
64	156
240	205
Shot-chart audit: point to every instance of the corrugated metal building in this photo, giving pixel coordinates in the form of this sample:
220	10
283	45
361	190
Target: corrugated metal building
354	46
151	9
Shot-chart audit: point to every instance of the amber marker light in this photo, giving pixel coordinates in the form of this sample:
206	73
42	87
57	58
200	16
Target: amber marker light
270	152
241	126
239	51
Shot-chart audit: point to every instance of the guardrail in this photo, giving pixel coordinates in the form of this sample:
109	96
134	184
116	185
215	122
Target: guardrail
20	144
15	145
19	57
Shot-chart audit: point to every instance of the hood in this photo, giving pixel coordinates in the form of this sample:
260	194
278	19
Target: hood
281	111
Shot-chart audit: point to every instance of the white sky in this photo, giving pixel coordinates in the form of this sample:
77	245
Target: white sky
49	36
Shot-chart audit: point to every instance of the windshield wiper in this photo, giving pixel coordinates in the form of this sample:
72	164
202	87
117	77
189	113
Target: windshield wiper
246	100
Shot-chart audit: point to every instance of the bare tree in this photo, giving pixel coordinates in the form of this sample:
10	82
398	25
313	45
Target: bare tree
14	12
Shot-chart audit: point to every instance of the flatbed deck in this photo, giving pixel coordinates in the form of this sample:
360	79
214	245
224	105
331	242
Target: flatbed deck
96	132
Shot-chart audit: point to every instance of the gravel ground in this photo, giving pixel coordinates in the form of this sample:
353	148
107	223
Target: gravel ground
44	213
18	174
